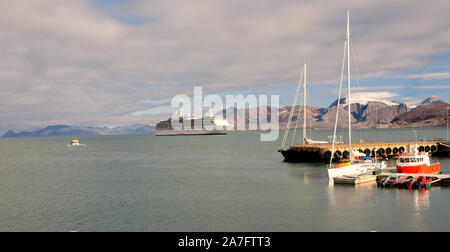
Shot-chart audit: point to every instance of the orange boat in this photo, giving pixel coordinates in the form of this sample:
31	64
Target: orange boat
417	162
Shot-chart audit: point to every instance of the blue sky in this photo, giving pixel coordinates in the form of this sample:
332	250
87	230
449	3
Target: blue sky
98	62
106	7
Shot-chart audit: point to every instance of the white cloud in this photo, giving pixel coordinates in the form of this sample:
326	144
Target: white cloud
358	88
431	76
411	101
364	97
433	87
156	110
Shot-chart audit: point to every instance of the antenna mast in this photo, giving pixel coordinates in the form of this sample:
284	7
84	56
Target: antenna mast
304	104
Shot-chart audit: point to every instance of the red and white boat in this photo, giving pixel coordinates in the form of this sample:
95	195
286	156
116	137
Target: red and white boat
417	162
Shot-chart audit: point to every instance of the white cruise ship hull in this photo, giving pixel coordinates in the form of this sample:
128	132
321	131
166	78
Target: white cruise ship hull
189	132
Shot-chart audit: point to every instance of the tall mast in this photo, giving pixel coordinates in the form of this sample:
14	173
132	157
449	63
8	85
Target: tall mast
447	122
304	103
348	88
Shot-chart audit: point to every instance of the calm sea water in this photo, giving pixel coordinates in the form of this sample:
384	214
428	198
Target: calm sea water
204	183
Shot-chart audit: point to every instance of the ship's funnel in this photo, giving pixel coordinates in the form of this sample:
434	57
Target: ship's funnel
180	113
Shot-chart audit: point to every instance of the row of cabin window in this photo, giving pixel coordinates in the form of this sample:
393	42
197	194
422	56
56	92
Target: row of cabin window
412	160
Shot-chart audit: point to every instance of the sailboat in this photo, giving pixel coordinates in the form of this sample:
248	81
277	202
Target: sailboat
358	164
306	140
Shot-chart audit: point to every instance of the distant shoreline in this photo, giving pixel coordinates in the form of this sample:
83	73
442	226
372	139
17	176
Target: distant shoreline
233	131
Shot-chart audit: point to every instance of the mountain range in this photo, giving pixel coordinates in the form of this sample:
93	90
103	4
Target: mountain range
367	113
65	130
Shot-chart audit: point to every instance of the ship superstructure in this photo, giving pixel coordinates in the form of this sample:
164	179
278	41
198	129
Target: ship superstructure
192	125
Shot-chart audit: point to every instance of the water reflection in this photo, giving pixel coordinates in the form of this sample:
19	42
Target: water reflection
416	205
380	210
307	172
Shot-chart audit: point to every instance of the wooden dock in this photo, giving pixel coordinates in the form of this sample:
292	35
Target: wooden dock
322	152
355	180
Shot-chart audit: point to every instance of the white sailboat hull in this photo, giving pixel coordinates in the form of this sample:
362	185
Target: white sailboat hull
355	169
308	141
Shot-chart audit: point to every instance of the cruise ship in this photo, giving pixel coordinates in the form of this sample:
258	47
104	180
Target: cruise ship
191	125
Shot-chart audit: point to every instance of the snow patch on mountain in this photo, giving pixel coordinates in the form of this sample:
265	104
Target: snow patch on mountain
364	98
433	100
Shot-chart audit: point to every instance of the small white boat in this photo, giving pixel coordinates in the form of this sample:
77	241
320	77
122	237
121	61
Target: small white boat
305	140
75	142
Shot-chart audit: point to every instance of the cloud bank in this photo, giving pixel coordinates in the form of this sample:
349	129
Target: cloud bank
93	63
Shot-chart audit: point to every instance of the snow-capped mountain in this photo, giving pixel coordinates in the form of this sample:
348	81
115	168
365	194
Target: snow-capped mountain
364	101
433	100
430	100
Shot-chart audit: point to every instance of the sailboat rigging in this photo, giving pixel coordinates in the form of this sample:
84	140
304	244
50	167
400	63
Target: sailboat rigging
305	139
358	163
